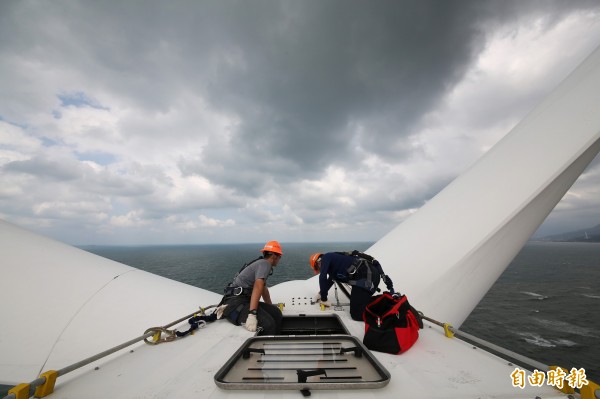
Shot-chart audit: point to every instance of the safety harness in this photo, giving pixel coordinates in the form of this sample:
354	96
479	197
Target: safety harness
233	290
236	297
362	271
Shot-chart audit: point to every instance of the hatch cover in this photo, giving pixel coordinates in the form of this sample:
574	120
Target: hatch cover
301	363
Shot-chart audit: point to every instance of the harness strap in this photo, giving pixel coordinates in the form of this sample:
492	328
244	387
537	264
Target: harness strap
372	266
353	269
197	322
232	290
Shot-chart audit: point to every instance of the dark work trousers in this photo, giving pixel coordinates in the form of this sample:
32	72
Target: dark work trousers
359	299
269	316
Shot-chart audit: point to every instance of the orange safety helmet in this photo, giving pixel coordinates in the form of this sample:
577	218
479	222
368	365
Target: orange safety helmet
272	246
313	262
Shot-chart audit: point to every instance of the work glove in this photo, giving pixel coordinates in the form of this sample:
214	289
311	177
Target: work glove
317	297
251	323
325	303
220	311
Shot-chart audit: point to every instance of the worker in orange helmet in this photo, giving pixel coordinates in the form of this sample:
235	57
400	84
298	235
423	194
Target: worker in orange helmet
361	271
242	296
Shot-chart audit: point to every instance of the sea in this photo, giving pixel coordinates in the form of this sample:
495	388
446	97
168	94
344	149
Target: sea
546	304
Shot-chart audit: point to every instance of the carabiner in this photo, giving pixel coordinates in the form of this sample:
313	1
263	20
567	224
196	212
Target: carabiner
158	331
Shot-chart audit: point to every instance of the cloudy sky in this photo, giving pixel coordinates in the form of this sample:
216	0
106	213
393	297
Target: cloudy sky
244	121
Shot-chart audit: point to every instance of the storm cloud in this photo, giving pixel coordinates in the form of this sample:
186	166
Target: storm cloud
220	121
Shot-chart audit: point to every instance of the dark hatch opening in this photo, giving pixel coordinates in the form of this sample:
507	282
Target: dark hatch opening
312	325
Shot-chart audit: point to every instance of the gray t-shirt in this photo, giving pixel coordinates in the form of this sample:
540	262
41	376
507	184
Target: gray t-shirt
259	269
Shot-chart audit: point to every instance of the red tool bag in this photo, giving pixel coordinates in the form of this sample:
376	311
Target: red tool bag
391	324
